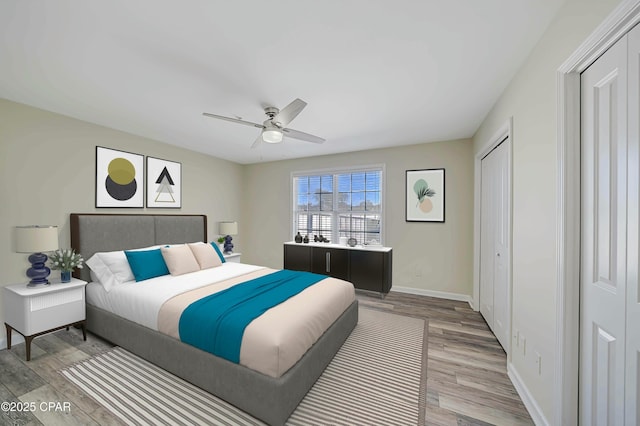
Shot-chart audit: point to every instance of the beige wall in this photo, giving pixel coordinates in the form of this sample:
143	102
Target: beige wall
47	170
531	99
440	252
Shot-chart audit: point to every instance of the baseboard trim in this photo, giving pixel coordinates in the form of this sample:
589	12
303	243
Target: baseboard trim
529	402
434	293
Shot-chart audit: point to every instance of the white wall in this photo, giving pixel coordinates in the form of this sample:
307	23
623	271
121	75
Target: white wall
47	171
531	99
441	253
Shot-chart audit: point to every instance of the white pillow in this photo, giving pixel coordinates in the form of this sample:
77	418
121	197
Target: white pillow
179	259
205	254
112	267
102	272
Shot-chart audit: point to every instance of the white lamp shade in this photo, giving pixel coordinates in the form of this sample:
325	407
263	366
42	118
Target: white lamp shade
272	135
228	228
36	239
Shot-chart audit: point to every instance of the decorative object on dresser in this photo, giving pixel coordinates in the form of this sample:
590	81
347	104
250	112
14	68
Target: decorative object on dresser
66	261
424	195
33	312
37	239
164	184
367	268
119	178
228	229
298	238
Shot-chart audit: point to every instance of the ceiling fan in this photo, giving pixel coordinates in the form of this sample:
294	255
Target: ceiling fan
273	128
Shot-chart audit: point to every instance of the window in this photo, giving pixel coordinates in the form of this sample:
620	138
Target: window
339	204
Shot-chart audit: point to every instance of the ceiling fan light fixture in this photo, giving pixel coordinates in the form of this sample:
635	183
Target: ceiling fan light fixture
272	135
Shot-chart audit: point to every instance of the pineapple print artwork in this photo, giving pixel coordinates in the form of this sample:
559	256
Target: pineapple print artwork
424	194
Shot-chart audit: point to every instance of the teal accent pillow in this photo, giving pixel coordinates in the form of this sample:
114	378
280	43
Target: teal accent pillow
147	264
217	249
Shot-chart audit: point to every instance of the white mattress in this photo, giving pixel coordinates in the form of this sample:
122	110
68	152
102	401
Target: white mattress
271	344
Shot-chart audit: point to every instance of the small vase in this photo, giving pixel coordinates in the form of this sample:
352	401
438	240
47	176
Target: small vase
298	238
65	276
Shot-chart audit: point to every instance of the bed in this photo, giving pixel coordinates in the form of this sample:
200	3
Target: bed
268	397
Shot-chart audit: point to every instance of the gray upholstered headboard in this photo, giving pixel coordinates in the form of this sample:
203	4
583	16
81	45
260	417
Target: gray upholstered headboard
95	232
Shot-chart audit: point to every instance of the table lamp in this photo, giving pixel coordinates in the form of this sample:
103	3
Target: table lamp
228	229
37	239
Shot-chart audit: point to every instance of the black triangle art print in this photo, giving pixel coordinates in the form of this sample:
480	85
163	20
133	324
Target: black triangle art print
165	174
164	193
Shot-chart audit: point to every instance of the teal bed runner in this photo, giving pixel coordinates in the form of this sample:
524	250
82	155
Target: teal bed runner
216	323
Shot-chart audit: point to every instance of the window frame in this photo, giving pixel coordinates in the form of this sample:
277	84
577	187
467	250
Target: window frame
335	213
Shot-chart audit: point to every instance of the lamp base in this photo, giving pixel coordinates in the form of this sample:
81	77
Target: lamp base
228	245
38	273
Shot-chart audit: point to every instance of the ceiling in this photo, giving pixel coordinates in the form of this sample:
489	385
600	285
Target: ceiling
374	73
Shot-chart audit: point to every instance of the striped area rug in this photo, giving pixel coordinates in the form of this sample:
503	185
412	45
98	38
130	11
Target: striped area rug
377	377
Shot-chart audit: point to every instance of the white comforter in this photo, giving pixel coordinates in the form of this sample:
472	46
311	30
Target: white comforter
271	344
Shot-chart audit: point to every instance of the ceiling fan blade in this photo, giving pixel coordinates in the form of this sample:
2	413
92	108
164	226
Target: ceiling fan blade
296	134
288	113
233	120
257	141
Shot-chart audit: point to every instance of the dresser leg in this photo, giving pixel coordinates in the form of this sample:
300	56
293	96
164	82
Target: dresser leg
8	335
84	330
27	342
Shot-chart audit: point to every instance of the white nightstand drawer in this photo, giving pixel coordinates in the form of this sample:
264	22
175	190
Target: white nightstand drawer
233	257
50	300
32	311
55	310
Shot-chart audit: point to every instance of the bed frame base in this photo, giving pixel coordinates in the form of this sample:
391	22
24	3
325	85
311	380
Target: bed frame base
266	398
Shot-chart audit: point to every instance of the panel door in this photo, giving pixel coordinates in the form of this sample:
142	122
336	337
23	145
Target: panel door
494	245
604	232
487	254
501	247
297	258
332	262
367	269
632	369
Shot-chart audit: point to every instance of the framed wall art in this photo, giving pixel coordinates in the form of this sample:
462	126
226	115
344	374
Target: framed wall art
164	184
424	195
119	178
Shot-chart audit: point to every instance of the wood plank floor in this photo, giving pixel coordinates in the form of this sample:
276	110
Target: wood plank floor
467	382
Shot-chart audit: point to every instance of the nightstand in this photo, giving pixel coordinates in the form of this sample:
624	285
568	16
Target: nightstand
33	312
232	257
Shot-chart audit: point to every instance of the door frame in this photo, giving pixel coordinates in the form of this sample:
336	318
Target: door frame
504	134
624	17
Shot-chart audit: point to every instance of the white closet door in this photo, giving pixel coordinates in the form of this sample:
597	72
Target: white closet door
604	232
632	371
494	254
487	254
